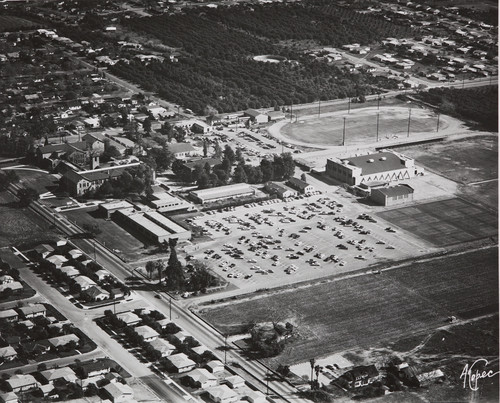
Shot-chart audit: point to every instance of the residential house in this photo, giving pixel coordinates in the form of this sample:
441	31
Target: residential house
215	366
35	348
7	353
129	318
147	333
84	282
61	341
75	253
28	323
52	375
57	260
119	392
44	250
22	383
9	397
8	315
255	396
92	123
162	346
201	378
361	376
6	279
300	185
74	105
33	311
102	274
180	363
14	286
198	351
180	336
70	271
222	394
163	323
235	381
95	293
95	368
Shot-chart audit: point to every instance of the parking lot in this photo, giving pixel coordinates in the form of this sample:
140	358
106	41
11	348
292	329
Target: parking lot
278	242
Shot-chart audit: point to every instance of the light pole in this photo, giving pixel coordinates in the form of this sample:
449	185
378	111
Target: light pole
378	116
349	105
378	102
343	133
319	107
409	121
267	382
170	309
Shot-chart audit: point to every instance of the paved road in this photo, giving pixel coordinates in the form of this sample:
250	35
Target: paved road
252	371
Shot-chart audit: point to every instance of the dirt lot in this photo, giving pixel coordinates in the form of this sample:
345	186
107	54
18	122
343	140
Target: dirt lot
335	317
444	222
21	227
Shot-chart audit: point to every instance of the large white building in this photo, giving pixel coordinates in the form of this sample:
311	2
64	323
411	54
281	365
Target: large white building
222	193
385	166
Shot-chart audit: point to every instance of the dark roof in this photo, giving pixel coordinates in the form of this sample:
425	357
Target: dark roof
297	183
101	175
253	113
394	191
379	164
63	147
180	147
202	161
362	371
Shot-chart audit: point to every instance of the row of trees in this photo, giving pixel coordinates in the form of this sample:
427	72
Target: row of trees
233	169
476	104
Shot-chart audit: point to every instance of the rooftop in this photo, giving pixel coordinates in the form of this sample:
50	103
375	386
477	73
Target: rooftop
374	163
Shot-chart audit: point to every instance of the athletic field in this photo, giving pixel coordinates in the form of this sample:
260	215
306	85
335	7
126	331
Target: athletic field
361	125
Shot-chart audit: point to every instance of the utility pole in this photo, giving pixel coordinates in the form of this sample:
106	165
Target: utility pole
378	102
267	382
170	310
343	133
378	115
319	107
409	122
291	112
95	259
349	106
437	126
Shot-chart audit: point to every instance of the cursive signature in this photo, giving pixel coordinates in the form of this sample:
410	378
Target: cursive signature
472	374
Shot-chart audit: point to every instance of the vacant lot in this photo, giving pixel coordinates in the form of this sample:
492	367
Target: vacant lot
111	234
361	125
445	222
370	310
21	227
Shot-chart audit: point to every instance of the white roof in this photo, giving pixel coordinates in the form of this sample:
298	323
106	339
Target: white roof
181	360
146	331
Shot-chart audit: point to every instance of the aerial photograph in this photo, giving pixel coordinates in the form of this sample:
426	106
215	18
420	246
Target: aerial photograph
249	201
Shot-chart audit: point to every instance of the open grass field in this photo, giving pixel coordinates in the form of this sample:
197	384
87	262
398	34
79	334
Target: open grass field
445	222
361	125
370	310
40	181
466	161
112	235
9	23
20	226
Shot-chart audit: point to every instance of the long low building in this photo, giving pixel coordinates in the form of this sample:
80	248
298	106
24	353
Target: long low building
152	225
386	166
166	202
222	193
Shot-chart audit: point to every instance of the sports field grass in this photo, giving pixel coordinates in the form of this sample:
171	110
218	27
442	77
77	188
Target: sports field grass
466	161
445	222
361	126
371	310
